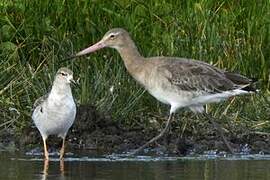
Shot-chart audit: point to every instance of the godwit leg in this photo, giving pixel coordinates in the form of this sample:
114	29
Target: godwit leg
62	151
46	154
155	138
220	130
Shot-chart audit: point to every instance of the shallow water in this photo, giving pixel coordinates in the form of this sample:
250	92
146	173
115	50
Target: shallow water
115	167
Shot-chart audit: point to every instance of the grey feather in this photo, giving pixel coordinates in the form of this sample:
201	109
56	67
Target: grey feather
192	75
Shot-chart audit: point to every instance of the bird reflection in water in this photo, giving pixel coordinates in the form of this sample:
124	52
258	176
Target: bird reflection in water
45	172
62	167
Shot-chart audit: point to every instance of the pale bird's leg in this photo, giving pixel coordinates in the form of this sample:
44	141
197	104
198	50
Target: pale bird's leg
62	151
155	138
220	130
45	167
46	154
62	166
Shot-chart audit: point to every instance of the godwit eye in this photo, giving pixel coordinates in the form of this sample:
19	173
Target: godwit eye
112	36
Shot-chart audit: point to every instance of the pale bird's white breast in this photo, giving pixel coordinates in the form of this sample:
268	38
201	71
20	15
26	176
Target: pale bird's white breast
55	116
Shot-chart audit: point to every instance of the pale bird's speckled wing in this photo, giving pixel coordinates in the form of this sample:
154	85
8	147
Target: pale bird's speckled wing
192	75
39	101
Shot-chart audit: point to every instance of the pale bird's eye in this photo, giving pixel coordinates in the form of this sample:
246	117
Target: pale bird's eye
63	74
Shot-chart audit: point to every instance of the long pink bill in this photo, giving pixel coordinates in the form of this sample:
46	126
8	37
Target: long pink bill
93	48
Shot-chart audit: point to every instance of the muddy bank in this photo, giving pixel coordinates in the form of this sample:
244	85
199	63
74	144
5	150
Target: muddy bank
95	131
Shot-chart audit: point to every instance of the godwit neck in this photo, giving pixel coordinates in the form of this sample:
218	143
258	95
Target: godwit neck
129	52
131	56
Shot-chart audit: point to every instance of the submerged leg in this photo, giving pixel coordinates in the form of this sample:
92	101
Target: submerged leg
62	151
46	154
220	130
155	138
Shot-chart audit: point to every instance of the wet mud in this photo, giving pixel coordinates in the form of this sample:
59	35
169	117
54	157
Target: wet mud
93	130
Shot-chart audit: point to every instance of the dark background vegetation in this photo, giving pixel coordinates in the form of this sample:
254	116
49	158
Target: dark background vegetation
35	36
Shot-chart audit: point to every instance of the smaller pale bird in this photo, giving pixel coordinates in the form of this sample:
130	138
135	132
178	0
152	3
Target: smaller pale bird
54	113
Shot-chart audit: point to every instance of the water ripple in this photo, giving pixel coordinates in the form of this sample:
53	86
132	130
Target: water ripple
125	158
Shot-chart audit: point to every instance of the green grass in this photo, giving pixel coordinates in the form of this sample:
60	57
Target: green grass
35	36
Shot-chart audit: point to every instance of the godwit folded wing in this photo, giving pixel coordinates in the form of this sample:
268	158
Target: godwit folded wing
197	76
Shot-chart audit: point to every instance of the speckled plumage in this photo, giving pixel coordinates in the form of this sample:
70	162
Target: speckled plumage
54	113
39	101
